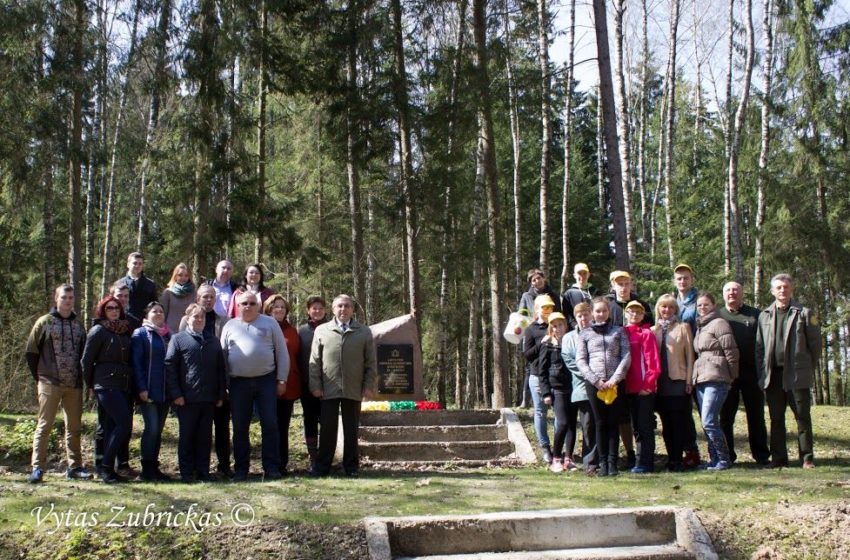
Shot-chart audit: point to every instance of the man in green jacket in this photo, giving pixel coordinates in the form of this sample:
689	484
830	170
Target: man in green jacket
342	373
788	346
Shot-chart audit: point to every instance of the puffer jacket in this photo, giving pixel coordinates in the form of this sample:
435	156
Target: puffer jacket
106	360
553	372
716	349
603	353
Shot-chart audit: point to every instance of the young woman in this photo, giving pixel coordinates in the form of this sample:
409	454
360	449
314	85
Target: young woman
149	344
310	405
641	382
603	359
278	309
581	404
531	345
252	281
715	369
107	373
673	398
195	382
177	296
556	390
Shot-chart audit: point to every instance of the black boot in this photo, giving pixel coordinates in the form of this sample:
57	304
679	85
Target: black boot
148	471
612	467
160	476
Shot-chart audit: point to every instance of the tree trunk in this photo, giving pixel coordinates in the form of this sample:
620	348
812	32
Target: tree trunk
568	153
600	164
546	129
159	78
609	119
487	155
726	120
262	92
695	154
411	224
516	145
671	130
352	154
75	152
623	125
113	156
764	152
643	123
740	116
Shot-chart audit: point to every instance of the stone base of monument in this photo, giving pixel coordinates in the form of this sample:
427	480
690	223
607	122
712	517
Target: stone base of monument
442	437
661	533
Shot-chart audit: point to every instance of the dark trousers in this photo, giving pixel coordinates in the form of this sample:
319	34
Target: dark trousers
746	386
588	434
245	392
284	415
674	413
642	409
311	407
331	409
221	424
690	428
154	415
607	420
117	423
565	419
195	439
800	401
123	456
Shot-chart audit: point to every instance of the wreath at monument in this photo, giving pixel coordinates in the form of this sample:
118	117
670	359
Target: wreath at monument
394	406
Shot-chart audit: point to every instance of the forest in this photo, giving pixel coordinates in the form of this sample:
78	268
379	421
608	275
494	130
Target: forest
421	155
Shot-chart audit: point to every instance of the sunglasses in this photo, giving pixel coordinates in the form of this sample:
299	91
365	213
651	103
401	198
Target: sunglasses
248	303
112	308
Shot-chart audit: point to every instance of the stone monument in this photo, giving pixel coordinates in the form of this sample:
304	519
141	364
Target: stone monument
398	359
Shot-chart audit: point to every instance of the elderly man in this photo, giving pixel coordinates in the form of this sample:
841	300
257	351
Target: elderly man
257	362
744	321
342	373
580	292
54	348
224	286
788	346
142	289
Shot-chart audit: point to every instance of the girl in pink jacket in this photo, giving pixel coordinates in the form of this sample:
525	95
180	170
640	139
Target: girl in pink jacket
641	382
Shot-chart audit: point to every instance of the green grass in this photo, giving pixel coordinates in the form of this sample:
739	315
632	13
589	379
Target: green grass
734	496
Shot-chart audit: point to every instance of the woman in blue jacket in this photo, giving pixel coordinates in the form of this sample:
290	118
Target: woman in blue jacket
149	343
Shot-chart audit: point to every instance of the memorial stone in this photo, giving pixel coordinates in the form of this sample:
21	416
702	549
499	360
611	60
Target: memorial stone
398	359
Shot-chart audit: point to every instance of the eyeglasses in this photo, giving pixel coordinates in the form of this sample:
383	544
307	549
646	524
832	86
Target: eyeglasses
112	308
248	303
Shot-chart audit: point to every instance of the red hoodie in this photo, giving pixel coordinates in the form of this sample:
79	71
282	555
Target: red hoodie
646	364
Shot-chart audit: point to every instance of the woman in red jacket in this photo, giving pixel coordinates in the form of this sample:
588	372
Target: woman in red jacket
641	382
277	308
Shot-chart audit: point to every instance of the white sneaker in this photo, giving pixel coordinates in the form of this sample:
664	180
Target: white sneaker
557	466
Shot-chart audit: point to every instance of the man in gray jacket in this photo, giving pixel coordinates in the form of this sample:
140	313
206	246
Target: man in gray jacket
342	373
788	346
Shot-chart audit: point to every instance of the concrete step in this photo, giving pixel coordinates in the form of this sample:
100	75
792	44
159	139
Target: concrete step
477	432
661	532
430	418
436	451
653	552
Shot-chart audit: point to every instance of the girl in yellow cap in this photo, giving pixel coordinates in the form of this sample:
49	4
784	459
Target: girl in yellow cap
556	388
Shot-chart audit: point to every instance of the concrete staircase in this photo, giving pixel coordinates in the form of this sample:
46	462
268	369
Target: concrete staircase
661	533
459	437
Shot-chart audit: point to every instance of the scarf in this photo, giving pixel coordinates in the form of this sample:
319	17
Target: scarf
182	290
121	326
313	324
161	331
601	328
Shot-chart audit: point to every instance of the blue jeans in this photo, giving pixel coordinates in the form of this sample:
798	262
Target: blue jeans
244	393
154	415
710	397
541	412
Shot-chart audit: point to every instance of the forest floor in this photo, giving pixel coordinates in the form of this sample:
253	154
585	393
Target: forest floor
749	512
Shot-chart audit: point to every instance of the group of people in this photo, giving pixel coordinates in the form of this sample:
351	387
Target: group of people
215	354
608	363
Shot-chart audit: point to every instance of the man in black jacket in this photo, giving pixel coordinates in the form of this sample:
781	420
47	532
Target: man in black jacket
581	291
142	288
744	321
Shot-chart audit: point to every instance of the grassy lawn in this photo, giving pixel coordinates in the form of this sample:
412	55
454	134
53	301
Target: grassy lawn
795	513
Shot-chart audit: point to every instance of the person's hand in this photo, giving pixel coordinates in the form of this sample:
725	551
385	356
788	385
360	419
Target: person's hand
317	393
547	400
689	388
644	393
369	394
143	396
179	401
218	404
281	389
599	385
608	384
